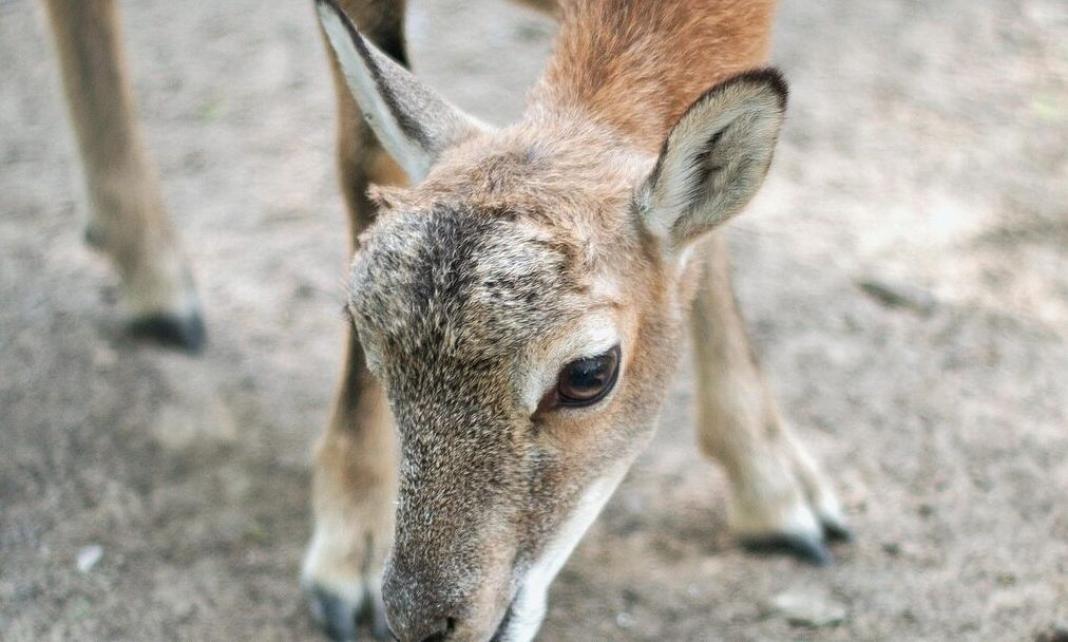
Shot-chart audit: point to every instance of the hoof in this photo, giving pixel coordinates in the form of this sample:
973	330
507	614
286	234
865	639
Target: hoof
337	618
184	333
836	531
341	619
805	548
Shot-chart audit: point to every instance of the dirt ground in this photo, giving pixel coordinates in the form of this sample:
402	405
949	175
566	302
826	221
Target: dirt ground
926	151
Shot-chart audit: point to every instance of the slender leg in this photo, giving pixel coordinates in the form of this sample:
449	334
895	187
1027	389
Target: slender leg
780	498
355	464
353	493
127	220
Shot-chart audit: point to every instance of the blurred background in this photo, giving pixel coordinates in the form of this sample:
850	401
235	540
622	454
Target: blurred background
904	272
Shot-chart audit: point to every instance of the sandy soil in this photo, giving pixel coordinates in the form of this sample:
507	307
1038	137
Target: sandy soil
927	147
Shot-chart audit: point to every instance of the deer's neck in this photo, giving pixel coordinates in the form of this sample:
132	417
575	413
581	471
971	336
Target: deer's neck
636	65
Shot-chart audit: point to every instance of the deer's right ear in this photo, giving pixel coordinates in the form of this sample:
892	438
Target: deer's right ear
414	124
715	158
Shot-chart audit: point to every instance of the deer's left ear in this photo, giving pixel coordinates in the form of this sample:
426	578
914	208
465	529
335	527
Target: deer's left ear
715	158
412	122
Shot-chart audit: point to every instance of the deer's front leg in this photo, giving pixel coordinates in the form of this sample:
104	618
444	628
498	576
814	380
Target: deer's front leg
127	219
354	488
780	498
352	499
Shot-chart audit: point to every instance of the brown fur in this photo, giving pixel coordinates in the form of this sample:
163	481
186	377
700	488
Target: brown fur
638	65
473	276
469	281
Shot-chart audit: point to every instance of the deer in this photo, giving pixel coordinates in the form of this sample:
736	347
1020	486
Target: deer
517	299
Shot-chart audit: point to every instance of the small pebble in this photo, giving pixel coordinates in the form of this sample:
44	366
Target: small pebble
808	607
88	557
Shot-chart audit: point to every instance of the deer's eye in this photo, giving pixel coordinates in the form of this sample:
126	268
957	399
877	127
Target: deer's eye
586	381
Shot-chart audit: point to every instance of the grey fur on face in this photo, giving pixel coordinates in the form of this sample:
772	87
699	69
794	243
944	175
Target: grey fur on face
447	302
457	283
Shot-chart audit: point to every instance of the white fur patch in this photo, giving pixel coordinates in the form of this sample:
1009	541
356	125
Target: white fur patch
529	607
319	567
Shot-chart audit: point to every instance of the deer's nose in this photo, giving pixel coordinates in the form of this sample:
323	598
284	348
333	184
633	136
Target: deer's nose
437	631
431	631
419	605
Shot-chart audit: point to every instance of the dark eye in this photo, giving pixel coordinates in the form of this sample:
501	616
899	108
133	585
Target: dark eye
584	382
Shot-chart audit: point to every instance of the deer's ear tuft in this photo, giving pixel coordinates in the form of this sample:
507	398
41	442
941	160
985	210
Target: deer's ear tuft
413	123
715	158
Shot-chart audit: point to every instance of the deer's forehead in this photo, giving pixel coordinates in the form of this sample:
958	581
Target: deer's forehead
559	178
458	282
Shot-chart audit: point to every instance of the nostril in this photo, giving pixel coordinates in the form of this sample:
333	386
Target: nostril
443	630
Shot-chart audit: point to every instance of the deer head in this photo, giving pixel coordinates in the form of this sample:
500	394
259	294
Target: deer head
522	304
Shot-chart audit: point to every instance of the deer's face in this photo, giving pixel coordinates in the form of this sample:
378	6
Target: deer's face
521	306
524	362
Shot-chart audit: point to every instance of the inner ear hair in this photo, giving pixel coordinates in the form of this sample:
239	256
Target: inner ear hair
716	156
413	123
721	159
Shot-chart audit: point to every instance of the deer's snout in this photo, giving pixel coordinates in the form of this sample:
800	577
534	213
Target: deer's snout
421	606
423	630
427	631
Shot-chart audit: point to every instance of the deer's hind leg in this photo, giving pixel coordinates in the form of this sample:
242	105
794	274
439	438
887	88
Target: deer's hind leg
128	221
354	484
780	499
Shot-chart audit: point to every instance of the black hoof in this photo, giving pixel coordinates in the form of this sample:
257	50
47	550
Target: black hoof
837	532
341	621
337	618
807	549
185	333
